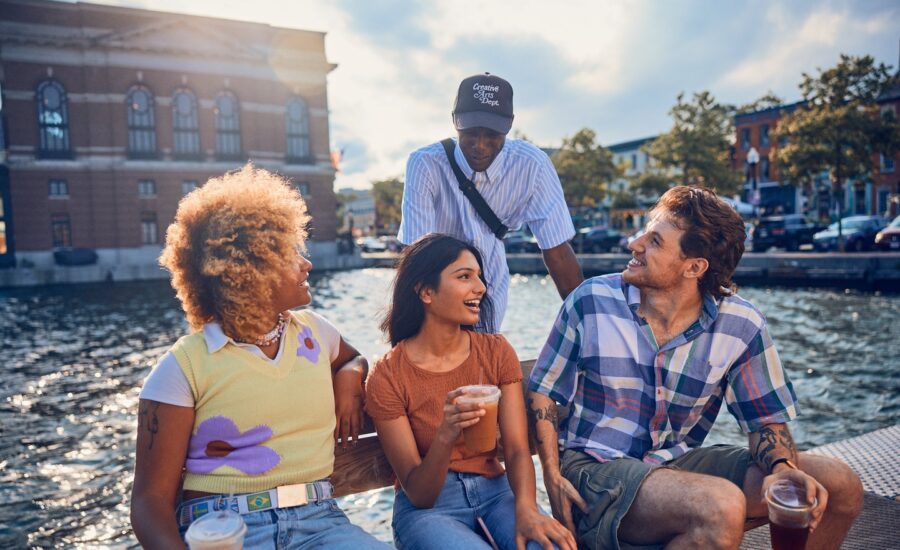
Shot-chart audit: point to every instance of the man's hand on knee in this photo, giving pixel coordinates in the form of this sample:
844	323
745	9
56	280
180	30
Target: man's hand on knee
562	495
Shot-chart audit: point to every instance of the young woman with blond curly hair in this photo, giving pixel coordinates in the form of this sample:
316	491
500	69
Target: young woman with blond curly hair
243	413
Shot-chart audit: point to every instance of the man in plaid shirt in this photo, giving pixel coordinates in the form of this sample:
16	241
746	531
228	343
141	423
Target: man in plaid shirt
644	360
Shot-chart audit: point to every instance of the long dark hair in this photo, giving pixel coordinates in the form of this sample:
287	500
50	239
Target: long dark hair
420	267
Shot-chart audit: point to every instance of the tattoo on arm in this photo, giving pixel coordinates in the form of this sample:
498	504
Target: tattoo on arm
772	440
149	420
788	442
548	413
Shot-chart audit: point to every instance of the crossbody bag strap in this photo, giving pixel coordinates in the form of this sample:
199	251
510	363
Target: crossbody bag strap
471	192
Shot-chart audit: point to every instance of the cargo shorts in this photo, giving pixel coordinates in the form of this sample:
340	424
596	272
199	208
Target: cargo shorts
609	488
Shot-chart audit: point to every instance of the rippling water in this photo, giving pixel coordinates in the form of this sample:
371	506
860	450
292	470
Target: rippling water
74	359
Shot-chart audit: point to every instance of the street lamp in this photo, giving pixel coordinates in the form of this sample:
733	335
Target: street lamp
753	160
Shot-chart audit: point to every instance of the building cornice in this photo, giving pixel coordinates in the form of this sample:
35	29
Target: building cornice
163	38
120	163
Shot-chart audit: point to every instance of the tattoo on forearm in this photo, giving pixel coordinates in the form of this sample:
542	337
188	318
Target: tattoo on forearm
149	420
770	439
548	413
788	442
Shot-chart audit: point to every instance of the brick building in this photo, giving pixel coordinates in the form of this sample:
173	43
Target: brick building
756	131
880	196
110	115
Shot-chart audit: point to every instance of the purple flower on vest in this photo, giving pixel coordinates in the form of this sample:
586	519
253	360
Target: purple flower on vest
307	346
218	442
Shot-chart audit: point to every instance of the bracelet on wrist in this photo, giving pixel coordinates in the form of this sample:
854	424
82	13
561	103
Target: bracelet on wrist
787	461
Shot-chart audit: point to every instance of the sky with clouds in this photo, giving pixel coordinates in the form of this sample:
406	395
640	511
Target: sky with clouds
613	66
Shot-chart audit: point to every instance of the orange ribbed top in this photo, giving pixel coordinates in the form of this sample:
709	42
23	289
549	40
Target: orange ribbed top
398	387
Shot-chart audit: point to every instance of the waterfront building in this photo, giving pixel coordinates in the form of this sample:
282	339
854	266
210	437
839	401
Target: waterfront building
754	141
359	213
634	160
632	157
110	115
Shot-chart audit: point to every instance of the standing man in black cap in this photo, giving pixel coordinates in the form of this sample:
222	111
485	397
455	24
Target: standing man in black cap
480	185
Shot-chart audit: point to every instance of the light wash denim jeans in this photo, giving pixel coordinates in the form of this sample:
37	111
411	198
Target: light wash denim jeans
451	523
315	525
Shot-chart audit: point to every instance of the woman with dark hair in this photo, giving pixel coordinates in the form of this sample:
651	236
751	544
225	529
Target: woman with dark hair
448	496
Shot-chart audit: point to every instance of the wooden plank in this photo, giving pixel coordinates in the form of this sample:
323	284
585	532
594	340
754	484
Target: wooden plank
361	467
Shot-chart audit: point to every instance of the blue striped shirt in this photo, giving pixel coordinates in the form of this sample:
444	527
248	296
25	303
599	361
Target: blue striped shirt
521	186
630	397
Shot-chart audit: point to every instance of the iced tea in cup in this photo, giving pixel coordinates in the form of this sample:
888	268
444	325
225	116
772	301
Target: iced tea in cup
789	515
222	530
481	437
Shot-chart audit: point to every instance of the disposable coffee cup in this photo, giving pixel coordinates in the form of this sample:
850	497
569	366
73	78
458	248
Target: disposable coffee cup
222	530
789	515
481	437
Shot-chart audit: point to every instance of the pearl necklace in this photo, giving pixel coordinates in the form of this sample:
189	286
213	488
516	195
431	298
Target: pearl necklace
273	335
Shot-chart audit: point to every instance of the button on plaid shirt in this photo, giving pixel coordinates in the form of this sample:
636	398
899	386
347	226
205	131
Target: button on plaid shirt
630	397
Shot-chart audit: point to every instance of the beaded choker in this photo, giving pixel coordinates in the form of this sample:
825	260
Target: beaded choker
273	335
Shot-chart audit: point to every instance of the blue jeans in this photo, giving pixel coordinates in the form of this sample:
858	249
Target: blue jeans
451	523
315	525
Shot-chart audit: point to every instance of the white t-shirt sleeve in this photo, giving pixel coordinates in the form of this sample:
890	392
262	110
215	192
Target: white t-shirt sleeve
167	384
329	334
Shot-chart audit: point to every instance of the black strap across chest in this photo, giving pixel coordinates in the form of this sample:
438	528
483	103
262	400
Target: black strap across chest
471	192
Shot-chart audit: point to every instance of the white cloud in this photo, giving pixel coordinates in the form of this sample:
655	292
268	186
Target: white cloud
611	66
802	44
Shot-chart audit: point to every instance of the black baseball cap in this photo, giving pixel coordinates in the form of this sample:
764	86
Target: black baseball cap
484	101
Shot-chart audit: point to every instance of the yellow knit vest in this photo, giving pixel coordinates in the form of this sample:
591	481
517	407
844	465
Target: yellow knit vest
258	424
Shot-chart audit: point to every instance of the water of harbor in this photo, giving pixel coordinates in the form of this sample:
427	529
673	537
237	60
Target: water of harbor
74	358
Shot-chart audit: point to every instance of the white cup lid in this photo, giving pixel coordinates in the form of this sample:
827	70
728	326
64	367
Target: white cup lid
216	526
479	393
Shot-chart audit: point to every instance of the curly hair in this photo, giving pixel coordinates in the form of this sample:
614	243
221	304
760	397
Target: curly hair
713	230
229	244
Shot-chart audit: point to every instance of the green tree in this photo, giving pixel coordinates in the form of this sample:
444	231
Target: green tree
767	101
840	128
650	183
697	149
585	169
388	195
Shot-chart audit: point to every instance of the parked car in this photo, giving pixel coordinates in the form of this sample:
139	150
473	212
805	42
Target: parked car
391	243
520	241
787	232
858	231
598	239
370	244
889	237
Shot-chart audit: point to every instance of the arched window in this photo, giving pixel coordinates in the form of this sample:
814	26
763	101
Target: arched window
297	124
141	122
185	124
53	119
228	126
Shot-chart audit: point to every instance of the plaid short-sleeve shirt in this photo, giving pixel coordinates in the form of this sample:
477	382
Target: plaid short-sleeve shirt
630	397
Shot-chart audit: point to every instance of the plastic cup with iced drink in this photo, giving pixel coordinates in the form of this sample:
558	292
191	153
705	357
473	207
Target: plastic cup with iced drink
481	437
789	515
222	530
